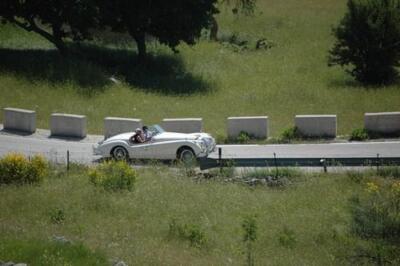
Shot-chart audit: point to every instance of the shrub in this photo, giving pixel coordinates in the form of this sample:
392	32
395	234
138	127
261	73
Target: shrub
290	134
376	219
287	238
376	212
113	176
57	216
368	40
191	232
17	169
359	134
243	137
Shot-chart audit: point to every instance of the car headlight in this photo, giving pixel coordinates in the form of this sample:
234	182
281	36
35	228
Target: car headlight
202	145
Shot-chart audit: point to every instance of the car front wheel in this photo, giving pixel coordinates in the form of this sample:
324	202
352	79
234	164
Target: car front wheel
120	153
187	156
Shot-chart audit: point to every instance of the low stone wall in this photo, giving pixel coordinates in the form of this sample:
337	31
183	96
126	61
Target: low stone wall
383	123
68	125
317	125
183	125
116	125
19	119
256	126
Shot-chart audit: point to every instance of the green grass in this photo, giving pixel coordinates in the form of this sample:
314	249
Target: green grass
42	252
305	223
207	80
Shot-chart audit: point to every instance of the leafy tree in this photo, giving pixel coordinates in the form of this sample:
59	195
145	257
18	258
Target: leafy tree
368	40
54	20
169	21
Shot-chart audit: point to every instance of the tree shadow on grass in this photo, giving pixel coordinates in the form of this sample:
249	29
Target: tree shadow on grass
164	74
351	83
50	66
91	67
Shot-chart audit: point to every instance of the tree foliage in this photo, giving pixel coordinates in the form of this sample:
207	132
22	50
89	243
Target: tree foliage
368	40
169	21
54	20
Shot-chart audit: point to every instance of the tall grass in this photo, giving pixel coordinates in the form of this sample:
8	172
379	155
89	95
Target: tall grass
136	226
208	80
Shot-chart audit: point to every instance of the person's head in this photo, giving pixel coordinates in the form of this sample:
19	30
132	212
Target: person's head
138	131
145	128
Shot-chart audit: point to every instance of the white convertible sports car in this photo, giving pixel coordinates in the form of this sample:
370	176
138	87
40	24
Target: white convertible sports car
162	145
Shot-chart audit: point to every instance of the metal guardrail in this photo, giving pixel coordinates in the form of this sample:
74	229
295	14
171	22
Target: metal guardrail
208	163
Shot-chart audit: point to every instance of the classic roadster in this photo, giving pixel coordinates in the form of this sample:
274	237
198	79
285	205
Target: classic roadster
162	145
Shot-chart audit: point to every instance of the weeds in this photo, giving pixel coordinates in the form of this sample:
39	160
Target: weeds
376	218
359	134
249	226
57	216
190	232
290	134
287	238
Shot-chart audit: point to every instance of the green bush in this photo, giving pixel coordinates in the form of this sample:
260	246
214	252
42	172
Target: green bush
243	137
376	212
191	232
368	40
359	134
113	176
57	216
17	169
290	134
376	219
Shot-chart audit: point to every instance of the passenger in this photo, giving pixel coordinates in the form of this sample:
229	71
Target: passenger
138	137
147	133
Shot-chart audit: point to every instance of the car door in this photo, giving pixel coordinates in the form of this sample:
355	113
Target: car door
140	150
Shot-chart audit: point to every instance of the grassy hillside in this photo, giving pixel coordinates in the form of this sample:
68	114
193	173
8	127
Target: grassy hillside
209	80
304	223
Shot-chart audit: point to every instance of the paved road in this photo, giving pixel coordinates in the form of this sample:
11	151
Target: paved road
81	151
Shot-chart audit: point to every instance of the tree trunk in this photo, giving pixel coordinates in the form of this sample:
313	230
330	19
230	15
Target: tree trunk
214	29
54	38
140	40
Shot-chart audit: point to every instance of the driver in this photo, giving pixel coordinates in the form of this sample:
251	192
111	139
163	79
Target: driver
147	133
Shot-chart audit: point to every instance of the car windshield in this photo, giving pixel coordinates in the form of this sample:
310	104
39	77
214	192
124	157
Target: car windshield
156	129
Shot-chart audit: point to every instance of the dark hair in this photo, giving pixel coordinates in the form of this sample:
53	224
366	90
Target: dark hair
145	128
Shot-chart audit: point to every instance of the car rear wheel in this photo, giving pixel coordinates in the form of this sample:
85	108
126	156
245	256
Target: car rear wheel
120	153
186	155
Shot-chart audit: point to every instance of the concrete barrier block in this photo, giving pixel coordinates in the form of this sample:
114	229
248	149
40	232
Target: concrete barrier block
256	126
116	125
20	119
317	125
183	125
68	125
384	123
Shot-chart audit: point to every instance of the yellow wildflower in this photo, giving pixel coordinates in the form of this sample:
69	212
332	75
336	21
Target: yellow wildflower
372	187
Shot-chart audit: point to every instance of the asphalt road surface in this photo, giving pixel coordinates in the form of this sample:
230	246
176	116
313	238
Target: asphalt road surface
81	150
